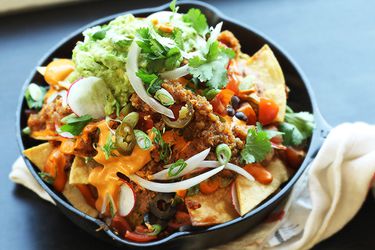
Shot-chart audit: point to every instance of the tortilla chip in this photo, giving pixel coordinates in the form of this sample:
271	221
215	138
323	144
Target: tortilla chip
39	154
264	70
79	172
214	208
74	196
251	194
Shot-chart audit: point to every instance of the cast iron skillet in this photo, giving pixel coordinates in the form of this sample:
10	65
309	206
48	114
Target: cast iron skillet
301	98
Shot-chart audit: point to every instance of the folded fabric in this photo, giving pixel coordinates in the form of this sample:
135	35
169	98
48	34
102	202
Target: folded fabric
324	199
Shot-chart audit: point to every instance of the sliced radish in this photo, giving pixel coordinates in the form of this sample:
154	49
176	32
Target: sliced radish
87	96
192	163
126	199
175	186
233	193
63	94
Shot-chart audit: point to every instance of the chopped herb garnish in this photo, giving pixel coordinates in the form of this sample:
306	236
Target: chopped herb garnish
197	20
193	190
47	177
100	34
26	131
155	229
112	206
165	150
74	124
297	127
257	146
152	81
173	7
108	147
212	69
270	133
176	168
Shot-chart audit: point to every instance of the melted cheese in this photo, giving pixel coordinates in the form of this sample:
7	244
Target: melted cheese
105	178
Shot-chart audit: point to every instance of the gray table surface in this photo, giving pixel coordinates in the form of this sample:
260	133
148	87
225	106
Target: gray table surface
333	42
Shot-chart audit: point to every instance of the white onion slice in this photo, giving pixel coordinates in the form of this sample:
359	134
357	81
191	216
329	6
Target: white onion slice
126	199
137	84
41	70
175	186
235	202
215	33
63	94
192	163
176	73
229	166
162	16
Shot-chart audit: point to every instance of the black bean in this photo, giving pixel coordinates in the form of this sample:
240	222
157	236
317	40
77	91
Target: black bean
241	116
230	110
235	101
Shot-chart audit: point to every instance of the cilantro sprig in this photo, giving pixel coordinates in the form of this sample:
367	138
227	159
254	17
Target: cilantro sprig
152	81
297	127
108	147
34	96
257	146
197	20
74	124
212	68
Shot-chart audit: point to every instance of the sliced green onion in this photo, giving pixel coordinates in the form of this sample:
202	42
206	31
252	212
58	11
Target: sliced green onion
223	153
163	96
131	119
143	141
26	131
47	177
156	229
176	167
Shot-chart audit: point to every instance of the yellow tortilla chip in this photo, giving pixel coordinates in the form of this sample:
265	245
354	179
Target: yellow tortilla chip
251	194
74	196
264	70
214	208
39	154
79	172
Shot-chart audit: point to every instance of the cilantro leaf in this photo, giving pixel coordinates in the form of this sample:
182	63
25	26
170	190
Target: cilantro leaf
108	147
270	133
152	81
173	7
74	124
197	20
257	146
212	68
297	127
165	150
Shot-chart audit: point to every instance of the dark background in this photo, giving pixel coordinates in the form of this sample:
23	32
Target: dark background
332	41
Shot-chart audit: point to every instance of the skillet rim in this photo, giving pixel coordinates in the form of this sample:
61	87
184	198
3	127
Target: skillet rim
316	140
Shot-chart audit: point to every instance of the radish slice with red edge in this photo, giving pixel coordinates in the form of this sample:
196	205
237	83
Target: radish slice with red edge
87	96
126	199
233	193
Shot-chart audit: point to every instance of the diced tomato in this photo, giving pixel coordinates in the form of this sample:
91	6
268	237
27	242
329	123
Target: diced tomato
249	112
209	186
139	237
268	110
294	157
120	224
232	83
221	101
58	70
55	166
181	193
260	173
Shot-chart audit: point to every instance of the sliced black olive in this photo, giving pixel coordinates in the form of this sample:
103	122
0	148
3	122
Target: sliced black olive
230	111
235	101
125	139
241	116
161	206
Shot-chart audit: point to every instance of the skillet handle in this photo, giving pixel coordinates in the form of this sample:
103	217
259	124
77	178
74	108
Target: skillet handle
323	129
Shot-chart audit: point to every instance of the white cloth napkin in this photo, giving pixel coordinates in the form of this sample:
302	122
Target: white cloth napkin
324	199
